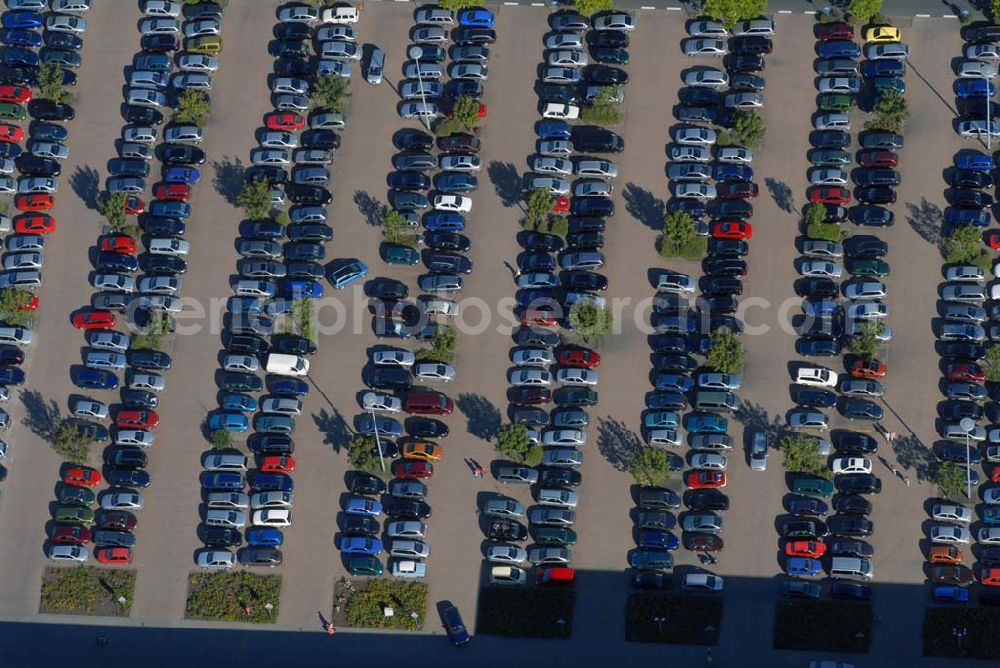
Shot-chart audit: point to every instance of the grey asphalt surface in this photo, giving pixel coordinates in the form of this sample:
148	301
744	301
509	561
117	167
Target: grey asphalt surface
167	532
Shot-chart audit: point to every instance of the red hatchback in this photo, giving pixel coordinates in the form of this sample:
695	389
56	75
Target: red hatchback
877	159
113	555
10	132
868	369
70	534
737	190
282	120
412	469
579	358
94	320
34	202
145	419
735	229
134	206
830	31
277	464
829	195
16	94
35	224
705	479
82	476
172	191
119	243
966	371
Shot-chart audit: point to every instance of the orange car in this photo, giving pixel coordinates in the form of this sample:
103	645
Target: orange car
34	202
425	450
945	554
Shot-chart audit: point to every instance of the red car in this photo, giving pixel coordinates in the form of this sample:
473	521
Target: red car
829	195
413	469
277	464
966	371
579	358
990	576
94	320
34	202
811	549
119	243
174	191
70	534
877	159
35	224
992	239
529	396
830	31
561	205
134	206
113	555
10	132
16	94
737	190
702	542
868	369
995	474
536	317
283	120
82	476
144	419
735	229
705	479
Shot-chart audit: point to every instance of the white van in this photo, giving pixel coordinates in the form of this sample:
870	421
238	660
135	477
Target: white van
340	14
287	365
376	64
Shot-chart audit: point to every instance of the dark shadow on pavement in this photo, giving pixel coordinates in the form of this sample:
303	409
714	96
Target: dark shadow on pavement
754	416
617	443
229	177
506	181
483	418
86	183
926	219
644	206
914	455
41	416
336	432
781	193
373	210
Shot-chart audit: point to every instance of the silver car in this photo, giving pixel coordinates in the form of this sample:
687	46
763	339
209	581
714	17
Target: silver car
517	474
406	529
698	46
506	554
550	555
549	165
707	77
434	372
695	136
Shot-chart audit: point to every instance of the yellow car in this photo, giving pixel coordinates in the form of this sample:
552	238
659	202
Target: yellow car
425	450
880	34
207	44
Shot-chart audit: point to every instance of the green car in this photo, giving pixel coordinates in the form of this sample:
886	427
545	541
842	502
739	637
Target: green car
869	267
74	514
812	487
643	558
12	112
835	102
395	254
367	565
829	156
555	536
882	84
71	495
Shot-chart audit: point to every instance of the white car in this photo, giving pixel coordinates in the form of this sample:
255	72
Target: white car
946	534
161	8
570	437
139	437
272	517
574	376
978	128
709	78
852	465
561	111
600	168
457	203
951	512
867	311
968	272
434	16
76	553
762	27
122	501
821	268
536	377
394	357
159	26
169	246
549	165
825	176
676	282
406	529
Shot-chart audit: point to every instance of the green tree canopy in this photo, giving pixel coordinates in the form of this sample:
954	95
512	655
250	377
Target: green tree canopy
650	467
866	343
590	321
679	230
465	113
193	106
991	363
950	479
330	92
730	12
50	84
221	439
112	206
864	11
749	128
455	5
255	199
890	113
514	444
362	452
539	203
802	455
726	353
71	445
591	7
12	303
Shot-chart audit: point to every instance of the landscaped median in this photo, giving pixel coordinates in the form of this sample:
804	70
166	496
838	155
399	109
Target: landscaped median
673	618
85	590
233	597
968	633
380	604
824	626
526	613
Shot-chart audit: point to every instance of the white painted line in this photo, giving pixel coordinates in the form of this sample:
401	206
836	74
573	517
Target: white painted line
511	3
673	9
810	11
538	4
784	11
949	16
647	7
922	16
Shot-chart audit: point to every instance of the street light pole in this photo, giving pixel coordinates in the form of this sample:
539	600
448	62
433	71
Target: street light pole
988	73
420	81
378	441
967	425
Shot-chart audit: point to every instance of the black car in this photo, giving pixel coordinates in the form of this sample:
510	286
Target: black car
731	208
139	399
850	548
699	96
818	347
116	262
963	350
688	114
850	525
858	483
872	216
220	536
836	214
705	499
818	287
203	10
724	266
293	67
973	199
310	232
610	55
579	224
127	478
47	110
459	143
273	173
360	525
804	506
267	229
467	35
451	263
457	88
158	43
855	443
288	48
300	194
815	398
746	81
853	591
304	251
149	359
967	178
728	248
413	140
390	378
860	409
240	382
408	509
292	344
604	75
296	31
557	93
327	140
877	177
670	362
307	270
247	344
272	444
592	206
529	415
425	427
179	154
751	45
607	38
526	336
366	483
593	139
956	410
830	139
865	246
139	115
722	285
447	241
128	167
852	504
537	241
260	556
721	305
585	280
33	165
128	457
743	62
585	240
830	328
804	529
560	477
506	530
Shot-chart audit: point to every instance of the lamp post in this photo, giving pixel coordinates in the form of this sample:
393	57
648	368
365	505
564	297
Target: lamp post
959	633
378	441
415	52
988	72
967	425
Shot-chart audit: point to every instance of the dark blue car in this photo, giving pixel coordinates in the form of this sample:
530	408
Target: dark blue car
96	379
266	229
662	540
222	482
264	537
733	173
170	209
14	57
977	217
290	387
409	180
116	262
23	20
883	68
10	375
127	478
129	167
189	175
534	262
972	160
456	182
839	49
26	38
954	452
454	626
444	222
272	482
554	130
49	132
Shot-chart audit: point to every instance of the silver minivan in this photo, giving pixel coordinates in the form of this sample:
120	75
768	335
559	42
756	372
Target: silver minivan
715	401
231	500
103	359
851	567
225	518
225	462
376	64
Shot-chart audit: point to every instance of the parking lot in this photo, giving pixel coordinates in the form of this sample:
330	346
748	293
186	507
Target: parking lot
312	564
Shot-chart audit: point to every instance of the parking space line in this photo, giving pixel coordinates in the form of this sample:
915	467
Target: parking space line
784	11
538	4
648	7
922	16
673	9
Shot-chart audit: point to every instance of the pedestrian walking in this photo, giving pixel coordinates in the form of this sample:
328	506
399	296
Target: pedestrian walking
329	630
907	481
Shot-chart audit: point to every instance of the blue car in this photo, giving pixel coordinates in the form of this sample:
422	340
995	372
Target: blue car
360	505
365	424
660	540
454	626
265	229
802	567
692	207
10	375
96	379
977	217
951	595
228	481
444	222
535	262
661	420
990	515
666	400
820	309
476	18
264	537
23	20
883	68
231	422
456	182
972	160
49	132
26	38
409	180
245	306
966	88
189	175
290	387
554	130
234	401
360	545
707	424
127	478
673	381
170	209
19	57
153	62
272	482
733	173
303	290
955	452
839	49
349	273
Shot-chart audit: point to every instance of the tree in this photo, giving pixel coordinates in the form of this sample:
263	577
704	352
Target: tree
330	92
221	439
397	230
825	231
890	112
465	113
50	84
193	106
444	343
455	5
814	213
591	321
158	326
866	343
255	199
601	113
864	11
680	237
726	353
112	207
749	128
730	12
362	452
514	444
71	445
303	318
802	455
12	307
539	204
950	479
963	245
650	467
991	363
